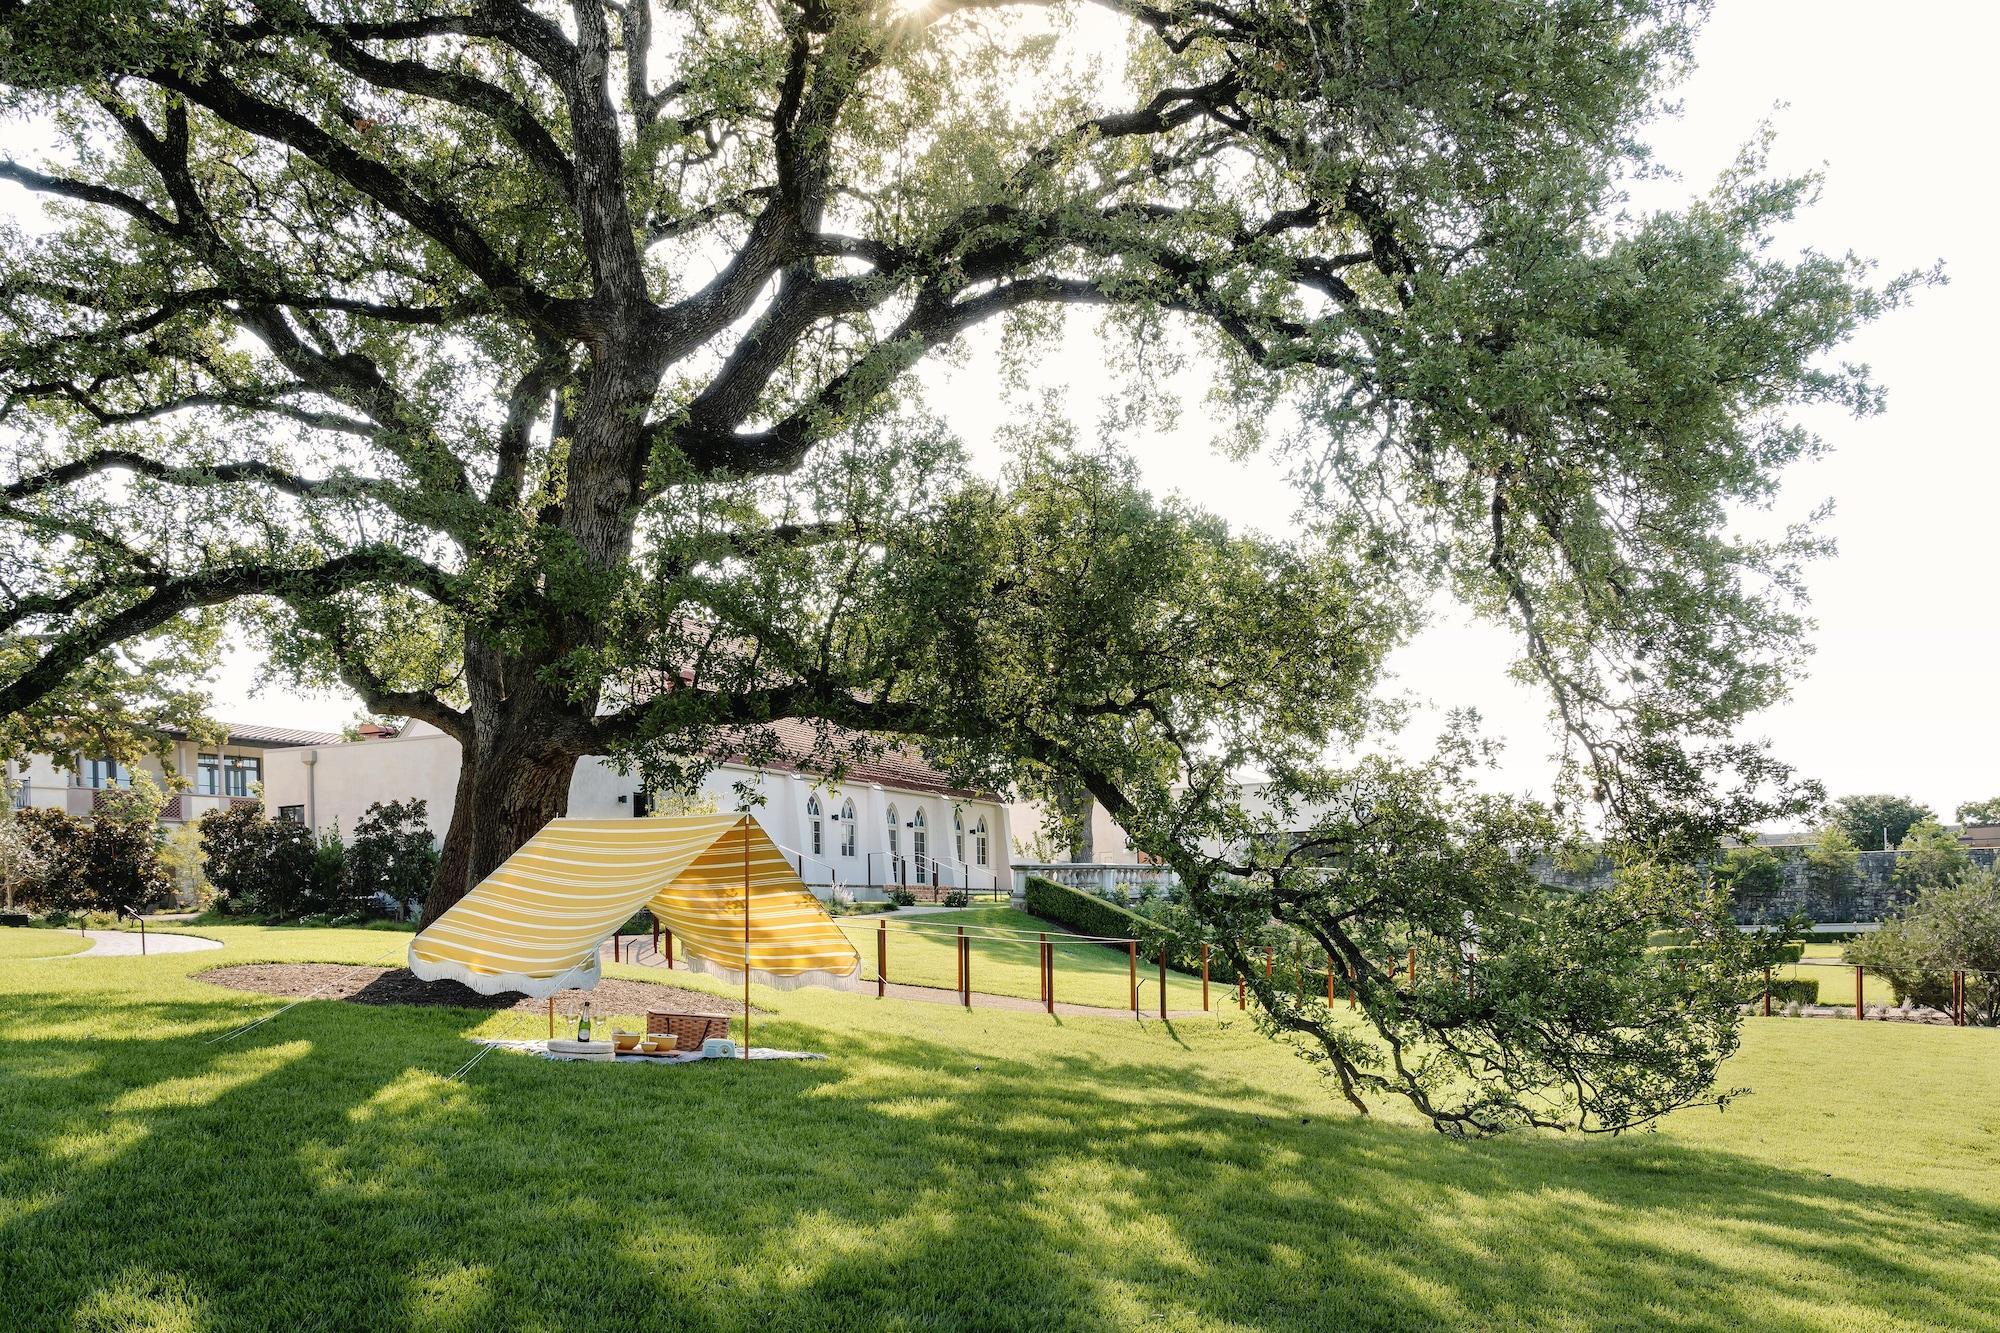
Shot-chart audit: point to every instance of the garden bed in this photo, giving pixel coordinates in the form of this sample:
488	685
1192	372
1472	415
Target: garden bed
397	985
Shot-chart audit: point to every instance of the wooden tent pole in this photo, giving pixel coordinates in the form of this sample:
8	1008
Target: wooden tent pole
746	937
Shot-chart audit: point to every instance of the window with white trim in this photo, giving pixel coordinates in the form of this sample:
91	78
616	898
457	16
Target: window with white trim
958	834
815	829
895	834
979	841
847	828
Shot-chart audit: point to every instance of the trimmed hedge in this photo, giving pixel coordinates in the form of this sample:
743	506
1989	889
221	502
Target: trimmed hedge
1786	990
1088	914
1085	913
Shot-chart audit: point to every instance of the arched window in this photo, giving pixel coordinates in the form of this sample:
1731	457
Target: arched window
847	829
815	830
958	835
895	833
979	841
920	845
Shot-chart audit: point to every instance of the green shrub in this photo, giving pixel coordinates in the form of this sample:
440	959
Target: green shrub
393	855
901	896
104	865
272	867
1085	913
957	898
1793	990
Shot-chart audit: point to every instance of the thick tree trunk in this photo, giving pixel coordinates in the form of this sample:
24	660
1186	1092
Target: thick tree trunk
515	774
1078	812
506	792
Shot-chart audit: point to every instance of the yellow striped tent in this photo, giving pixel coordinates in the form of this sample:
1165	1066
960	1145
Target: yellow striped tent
535	925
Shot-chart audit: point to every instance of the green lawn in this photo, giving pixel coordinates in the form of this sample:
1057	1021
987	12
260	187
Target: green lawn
942	1169
27	942
924	952
1836	982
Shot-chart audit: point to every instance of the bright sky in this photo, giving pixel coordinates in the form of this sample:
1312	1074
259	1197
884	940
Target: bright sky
1900	694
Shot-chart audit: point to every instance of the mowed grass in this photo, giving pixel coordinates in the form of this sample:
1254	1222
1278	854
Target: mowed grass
28	942
1822	963
942	1169
923	951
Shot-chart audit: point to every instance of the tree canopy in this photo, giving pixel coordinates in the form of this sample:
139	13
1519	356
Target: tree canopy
1979	812
545	372
1879	822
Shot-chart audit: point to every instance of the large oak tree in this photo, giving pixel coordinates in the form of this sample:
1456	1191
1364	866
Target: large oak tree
545	371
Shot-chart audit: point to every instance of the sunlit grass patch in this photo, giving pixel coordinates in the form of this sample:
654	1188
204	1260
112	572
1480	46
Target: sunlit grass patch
940	1169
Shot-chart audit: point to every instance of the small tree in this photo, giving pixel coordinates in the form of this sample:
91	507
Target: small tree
1750	873
258	864
1931	855
20	851
1979	812
51	877
186	866
1878	821
393	854
1830	863
97	865
120	866
1949	927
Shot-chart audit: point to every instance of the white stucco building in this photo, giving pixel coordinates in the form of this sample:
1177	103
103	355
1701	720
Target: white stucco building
894	819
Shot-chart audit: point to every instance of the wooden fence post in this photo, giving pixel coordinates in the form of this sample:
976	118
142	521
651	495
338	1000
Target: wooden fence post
1270	959
1132	963
552	1018
1958	997
961	958
1042	964
964	968
1352	1002
1767	992
656	936
1857	991
1329	981
881	959
1204	976
1163	981
1413	964
614	946
1048	974
670	951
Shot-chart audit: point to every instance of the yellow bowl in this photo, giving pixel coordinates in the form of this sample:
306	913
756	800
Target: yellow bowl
625	1041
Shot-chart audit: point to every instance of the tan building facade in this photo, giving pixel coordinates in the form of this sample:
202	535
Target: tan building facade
218	776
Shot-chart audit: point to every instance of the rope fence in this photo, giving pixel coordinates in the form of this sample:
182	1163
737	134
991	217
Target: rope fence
1306	975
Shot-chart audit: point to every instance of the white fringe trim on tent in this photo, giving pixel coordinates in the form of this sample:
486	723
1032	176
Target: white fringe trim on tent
775	980
497	983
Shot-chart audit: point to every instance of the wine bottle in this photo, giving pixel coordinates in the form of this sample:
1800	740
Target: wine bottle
583	1023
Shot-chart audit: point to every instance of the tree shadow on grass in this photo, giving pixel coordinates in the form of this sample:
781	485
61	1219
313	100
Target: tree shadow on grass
316	1173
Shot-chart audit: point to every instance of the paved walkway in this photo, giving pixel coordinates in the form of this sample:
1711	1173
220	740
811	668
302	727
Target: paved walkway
125	943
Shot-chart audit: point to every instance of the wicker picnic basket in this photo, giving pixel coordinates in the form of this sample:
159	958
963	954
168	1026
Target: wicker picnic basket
689	1031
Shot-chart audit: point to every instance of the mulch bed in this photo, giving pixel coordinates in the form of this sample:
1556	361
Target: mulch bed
396	985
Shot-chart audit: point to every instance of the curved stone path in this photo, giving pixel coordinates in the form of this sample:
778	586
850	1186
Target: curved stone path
125	944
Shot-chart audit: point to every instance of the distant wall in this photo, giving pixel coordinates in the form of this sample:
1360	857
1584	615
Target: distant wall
1871	896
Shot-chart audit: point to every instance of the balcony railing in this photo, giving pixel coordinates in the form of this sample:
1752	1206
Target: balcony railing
1127	879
